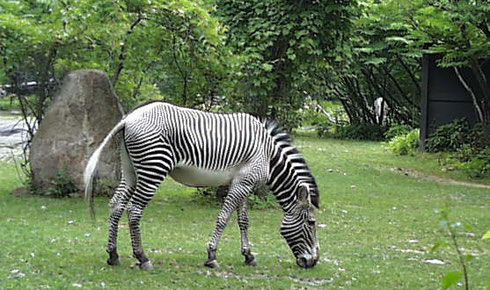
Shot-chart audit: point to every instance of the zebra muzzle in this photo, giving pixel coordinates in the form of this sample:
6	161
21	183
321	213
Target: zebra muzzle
306	261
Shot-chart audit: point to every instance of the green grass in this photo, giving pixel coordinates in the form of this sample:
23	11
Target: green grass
7	104
371	215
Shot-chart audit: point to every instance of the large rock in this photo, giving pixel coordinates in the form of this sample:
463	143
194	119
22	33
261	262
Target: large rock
83	112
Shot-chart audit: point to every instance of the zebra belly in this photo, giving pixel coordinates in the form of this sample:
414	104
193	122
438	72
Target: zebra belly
200	177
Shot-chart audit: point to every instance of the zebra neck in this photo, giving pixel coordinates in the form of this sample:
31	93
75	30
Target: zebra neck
285	171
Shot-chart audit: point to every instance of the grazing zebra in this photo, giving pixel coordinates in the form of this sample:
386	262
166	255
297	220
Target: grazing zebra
205	149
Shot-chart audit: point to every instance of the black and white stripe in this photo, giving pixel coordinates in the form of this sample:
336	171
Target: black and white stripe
201	149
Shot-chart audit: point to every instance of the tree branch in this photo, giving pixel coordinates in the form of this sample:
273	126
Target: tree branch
472	94
123	51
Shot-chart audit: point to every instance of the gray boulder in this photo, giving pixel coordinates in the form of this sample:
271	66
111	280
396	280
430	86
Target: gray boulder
82	114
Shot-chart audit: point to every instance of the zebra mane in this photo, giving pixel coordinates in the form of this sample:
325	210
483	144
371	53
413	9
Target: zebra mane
284	141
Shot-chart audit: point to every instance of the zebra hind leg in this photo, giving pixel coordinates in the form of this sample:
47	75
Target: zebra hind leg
135	213
152	162
243	224
117	204
144	192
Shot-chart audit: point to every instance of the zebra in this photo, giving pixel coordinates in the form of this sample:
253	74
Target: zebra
198	149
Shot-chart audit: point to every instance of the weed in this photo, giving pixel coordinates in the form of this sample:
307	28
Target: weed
405	144
397	130
452	229
62	185
261	198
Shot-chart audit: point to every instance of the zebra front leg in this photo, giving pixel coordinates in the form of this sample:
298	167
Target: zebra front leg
221	222
238	192
243	224
117	204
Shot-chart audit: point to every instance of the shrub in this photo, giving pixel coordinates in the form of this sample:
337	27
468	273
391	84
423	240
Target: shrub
62	185
360	132
405	144
449	137
261	198
468	146
257	202
475	163
323	129
397	130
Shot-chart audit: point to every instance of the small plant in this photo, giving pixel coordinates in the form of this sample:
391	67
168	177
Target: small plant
405	144
486	235
62	185
452	229
261	198
468	147
323	129
449	137
210	195
105	187
397	130
357	132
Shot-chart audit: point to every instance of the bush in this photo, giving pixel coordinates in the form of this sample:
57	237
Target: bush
261	198
449	137
62	185
475	163
397	130
360	132
468	146
405	144
323	129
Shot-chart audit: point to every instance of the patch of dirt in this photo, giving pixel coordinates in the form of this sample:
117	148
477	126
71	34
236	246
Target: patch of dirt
424	176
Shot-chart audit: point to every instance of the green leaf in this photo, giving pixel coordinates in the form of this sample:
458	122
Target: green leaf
438	245
267	67
376	60
486	235
450	279
468	227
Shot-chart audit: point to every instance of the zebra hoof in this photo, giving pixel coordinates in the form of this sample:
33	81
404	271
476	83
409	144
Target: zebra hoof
250	261
211	264
146	266
113	262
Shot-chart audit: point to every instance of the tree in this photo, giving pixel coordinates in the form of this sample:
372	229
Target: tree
282	43
171	50
378	63
459	31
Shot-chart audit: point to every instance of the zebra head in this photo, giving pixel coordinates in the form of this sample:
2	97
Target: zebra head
299	229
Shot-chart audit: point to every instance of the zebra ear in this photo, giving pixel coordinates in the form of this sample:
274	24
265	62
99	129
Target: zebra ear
315	201
304	194
307	197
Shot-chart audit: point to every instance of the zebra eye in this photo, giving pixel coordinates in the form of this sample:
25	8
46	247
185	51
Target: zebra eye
311	222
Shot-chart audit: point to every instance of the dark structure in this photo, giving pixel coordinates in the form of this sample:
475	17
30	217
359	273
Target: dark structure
444	98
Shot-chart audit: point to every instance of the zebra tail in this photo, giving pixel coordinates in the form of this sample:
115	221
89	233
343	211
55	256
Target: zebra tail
91	168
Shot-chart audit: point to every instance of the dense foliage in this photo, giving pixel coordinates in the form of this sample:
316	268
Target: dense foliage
468	147
405	144
266	57
284	46
149	49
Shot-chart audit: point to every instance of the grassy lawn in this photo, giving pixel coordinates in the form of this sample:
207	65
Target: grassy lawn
377	229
